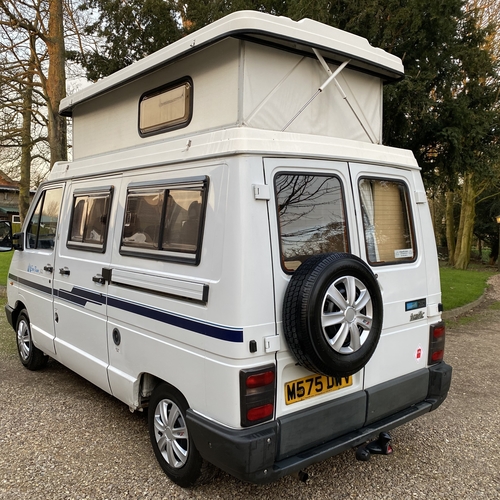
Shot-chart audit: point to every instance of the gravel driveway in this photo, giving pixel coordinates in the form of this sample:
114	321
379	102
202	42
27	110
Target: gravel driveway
62	438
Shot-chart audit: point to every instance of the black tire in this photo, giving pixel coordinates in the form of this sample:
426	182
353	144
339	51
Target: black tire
173	447
31	357
332	314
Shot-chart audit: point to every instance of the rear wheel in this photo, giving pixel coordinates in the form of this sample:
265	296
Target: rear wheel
172	444
31	357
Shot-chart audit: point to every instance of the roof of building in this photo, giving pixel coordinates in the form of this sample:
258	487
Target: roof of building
7	182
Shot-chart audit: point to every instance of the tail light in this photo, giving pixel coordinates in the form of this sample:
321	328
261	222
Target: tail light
257	394
437	336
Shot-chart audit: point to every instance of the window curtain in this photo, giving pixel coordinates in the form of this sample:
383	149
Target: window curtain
368	209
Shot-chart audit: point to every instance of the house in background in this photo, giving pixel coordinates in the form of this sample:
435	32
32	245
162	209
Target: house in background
9	198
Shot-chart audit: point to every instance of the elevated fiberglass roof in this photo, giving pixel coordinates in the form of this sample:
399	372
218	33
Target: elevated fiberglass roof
303	37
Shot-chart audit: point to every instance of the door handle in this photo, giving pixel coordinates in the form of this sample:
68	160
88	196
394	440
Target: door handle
99	279
48	268
64	271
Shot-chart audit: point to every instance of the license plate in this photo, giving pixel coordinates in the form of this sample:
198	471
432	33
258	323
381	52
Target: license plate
314	385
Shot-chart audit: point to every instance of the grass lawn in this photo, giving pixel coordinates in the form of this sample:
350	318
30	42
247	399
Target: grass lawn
462	287
5	258
458	287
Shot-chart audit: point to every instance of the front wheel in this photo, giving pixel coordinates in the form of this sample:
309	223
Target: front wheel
173	447
31	357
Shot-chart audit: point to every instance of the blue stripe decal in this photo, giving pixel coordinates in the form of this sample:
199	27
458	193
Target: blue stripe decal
214	331
81	297
36	286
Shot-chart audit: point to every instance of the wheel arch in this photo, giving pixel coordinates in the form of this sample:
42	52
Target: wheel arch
145	387
148	383
19	306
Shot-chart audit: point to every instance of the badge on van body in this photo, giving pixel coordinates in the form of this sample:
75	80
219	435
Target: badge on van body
412	305
417	316
415	304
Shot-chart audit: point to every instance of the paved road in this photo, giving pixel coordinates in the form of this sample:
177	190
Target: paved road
62	438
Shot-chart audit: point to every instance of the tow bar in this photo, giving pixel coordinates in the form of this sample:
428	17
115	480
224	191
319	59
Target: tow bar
380	446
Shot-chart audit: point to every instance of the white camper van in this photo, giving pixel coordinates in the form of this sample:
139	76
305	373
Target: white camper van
233	248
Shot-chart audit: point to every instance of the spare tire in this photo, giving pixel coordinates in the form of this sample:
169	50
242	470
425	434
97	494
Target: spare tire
332	314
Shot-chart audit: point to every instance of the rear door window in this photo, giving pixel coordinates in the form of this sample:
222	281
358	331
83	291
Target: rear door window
311	213
387	221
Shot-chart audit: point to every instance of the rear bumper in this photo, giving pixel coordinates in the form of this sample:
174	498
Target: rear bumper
266	452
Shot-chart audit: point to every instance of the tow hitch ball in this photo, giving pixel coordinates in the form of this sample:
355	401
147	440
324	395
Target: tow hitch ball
380	446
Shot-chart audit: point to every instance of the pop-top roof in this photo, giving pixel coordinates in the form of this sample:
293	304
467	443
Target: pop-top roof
297	36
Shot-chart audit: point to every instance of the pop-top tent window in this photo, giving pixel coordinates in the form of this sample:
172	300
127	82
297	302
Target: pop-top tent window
166	108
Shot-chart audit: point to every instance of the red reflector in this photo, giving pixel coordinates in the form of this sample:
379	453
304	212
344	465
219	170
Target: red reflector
260	412
260	379
438	332
437	356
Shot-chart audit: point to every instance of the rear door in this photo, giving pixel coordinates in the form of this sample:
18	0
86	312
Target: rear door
388	202
80	288
311	212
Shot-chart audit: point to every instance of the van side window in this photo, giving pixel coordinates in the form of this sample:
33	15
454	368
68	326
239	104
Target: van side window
387	221
42	227
311	217
89	220
164	221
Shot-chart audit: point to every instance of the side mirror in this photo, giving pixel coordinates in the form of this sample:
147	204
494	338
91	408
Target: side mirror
5	236
18	241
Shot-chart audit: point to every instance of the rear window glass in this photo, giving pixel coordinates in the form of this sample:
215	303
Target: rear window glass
165	221
311	217
387	222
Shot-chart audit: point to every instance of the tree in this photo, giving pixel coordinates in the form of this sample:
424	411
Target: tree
198	14
29	18
34	53
55	83
20	104
488	14
127	30
26	140
486	228
477	144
